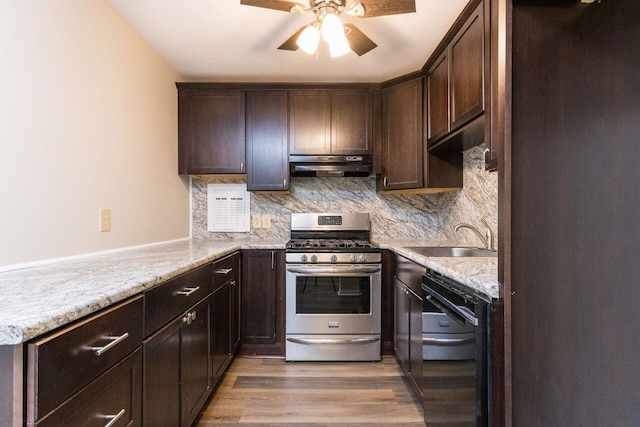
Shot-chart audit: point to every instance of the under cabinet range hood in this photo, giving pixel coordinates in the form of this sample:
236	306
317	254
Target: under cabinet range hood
331	166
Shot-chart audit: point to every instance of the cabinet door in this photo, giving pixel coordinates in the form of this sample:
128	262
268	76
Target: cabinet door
351	114
177	376
267	143
402	135
211	131
195	360
438	99
467	70
415	342
497	76
401	342
220	327
236	305
263	303
161	377
310	130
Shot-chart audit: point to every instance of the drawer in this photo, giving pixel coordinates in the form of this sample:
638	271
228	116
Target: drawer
62	363
170	299
225	270
115	394
410	273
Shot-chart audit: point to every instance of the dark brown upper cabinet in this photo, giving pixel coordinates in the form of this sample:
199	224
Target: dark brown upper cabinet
456	83
402	143
267	130
211	131
328	121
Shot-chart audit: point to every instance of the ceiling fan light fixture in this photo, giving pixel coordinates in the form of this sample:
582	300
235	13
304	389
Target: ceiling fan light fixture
339	46
332	28
309	39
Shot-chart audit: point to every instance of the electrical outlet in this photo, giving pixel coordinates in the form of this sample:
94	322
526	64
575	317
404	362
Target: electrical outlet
105	220
266	221
256	221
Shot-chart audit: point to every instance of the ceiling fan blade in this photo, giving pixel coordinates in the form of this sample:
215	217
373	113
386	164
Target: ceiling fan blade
358	41
387	7
290	43
282	5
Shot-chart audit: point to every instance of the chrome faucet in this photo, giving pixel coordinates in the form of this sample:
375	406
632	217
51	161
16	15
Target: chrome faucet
487	240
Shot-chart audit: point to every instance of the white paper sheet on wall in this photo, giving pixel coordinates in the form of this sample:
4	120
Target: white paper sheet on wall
228	207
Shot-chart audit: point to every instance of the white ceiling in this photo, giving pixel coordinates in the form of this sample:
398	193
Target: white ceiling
222	40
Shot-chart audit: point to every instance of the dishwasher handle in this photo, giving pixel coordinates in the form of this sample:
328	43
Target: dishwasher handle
448	307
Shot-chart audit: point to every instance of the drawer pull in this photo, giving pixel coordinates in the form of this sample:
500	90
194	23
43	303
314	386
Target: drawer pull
223	270
99	351
188	291
114	418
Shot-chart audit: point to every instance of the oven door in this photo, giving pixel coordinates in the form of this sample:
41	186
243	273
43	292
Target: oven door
333	299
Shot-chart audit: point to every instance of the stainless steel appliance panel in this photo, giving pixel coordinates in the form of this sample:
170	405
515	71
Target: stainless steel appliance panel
330	221
456	385
333	347
334	301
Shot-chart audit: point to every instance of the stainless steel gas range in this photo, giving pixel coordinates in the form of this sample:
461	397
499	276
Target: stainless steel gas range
333	282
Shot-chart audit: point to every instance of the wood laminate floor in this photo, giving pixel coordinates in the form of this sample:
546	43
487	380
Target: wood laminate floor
271	392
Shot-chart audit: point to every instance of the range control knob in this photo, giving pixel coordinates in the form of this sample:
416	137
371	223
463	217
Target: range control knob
314	258
363	258
303	258
352	258
334	258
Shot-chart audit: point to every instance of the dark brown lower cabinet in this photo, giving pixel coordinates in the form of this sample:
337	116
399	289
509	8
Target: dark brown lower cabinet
236	305
263	309
177	369
408	329
115	394
220	330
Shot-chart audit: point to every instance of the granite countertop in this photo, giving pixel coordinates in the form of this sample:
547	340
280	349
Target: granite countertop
39	299
480	274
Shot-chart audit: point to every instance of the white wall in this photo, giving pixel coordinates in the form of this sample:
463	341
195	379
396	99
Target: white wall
88	120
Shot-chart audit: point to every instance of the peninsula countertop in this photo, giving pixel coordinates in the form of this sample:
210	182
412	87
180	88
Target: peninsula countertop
38	299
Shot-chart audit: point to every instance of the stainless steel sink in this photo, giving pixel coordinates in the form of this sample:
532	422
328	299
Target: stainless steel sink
452	251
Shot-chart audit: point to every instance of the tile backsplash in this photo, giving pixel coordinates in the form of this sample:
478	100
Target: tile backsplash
392	216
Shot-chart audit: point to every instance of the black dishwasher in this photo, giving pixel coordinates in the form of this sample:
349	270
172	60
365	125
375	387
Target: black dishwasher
455	388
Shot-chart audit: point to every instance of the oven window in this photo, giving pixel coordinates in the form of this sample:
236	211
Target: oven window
333	295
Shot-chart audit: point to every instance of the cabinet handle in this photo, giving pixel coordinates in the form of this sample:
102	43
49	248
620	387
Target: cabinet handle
273	260
241	166
284	183
188	291
190	317
114	418
384	182
99	351
223	270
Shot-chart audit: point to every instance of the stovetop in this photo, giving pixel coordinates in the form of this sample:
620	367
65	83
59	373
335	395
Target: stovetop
331	238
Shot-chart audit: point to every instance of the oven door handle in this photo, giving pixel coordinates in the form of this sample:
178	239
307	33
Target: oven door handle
334	270
333	341
447	341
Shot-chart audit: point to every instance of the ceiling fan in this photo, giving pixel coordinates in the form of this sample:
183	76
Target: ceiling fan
342	38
